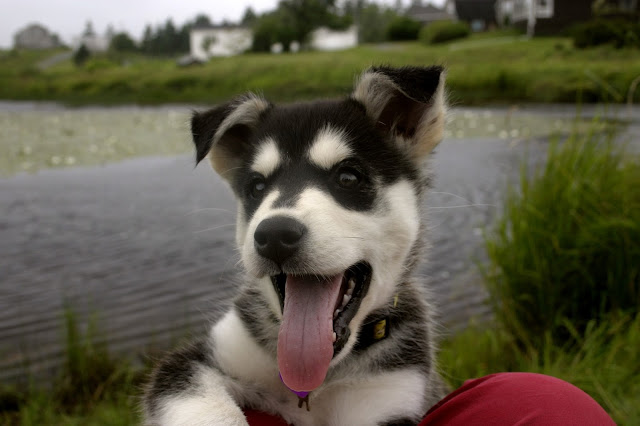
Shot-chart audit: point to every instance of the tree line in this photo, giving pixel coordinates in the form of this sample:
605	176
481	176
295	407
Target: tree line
292	20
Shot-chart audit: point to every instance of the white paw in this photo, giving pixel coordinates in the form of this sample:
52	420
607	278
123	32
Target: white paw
196	412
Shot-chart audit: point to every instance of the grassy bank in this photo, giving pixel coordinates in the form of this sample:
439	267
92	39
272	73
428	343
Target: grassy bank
564	278
481	70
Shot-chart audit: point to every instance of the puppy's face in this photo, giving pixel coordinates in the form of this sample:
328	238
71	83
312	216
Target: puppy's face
327	203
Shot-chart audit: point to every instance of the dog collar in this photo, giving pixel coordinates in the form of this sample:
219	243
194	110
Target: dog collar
375	330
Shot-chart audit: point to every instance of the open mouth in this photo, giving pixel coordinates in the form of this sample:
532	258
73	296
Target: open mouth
316	313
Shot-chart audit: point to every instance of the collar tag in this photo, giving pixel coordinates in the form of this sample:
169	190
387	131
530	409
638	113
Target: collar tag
304	400
380	329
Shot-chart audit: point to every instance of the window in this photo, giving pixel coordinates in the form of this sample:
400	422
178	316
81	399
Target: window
544	8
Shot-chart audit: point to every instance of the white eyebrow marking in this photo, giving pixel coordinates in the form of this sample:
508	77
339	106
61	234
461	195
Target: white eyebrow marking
267	159
329	148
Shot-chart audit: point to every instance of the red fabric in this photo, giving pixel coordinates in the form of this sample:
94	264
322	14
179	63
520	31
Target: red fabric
517	399
500	400
257	418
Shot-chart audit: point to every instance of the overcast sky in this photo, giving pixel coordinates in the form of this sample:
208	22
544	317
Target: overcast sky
67	18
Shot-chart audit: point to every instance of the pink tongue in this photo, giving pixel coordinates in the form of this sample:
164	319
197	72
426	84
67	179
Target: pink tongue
305	341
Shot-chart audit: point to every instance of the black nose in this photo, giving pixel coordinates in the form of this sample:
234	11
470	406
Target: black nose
278	238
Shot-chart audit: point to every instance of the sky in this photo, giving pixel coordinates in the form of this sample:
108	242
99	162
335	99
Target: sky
68	18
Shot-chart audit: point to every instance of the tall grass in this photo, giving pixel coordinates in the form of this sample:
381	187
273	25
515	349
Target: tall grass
564	278
568	246
92	388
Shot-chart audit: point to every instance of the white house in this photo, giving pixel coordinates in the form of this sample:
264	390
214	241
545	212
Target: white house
92	40
327	39
219	40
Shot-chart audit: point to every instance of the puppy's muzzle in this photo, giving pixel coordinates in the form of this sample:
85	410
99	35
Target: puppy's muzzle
279	238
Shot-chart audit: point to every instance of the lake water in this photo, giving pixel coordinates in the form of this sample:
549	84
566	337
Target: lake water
103	212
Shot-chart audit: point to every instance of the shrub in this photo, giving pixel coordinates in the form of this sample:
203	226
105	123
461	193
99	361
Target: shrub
403	28
568	247
81	55
122	42
443	31
99	64
619	33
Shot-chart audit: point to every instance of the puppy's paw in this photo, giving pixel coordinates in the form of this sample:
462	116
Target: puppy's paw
197	413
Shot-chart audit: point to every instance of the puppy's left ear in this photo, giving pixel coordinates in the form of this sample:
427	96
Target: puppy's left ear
406	103
223	132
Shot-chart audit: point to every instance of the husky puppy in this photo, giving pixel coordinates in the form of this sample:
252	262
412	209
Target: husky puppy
330	327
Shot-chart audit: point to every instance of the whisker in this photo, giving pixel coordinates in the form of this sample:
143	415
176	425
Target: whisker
462	205
211	208
450	193
215	227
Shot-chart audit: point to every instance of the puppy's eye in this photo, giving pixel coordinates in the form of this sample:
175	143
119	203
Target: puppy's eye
257	187
348	178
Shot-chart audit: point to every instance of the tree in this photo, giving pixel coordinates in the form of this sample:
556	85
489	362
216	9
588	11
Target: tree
88	30
403	28
294	20
273	27
81	55
201	20
166	39
373	23
249	18
122	42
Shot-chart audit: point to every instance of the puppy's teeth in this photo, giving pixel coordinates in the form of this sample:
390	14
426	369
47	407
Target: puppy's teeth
336	313
350	291
352	284
335	337
345	299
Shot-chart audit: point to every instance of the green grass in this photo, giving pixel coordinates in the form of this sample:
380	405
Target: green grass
540	70
568	244
92	388
564	278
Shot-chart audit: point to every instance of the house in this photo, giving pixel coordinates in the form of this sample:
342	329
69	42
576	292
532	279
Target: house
92	40
327	39
479	14
206	41
504	12
35	36
425	14
545	16
227	40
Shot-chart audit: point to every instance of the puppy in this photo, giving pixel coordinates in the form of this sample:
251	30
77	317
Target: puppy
330	327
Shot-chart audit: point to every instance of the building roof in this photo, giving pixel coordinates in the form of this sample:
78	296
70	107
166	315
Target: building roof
427	13
34	26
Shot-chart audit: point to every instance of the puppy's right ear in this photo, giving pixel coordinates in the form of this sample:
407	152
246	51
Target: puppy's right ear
223	132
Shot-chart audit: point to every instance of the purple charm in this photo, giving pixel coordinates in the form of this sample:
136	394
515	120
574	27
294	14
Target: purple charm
300	394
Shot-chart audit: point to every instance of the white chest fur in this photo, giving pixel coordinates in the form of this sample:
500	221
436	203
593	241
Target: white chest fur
361	401
350	401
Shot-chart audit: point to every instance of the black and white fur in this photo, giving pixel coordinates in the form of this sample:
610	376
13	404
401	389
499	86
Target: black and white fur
351	174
